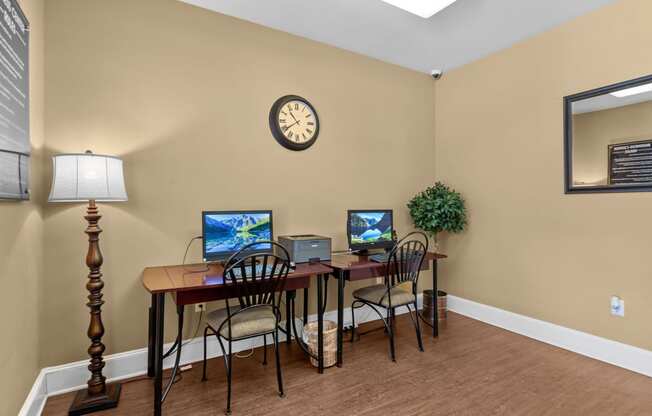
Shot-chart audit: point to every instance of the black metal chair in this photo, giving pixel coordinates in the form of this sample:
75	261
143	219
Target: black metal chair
403	267
257	312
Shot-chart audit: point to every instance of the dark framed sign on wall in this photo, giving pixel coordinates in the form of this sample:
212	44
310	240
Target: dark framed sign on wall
15	145
630	163
608	138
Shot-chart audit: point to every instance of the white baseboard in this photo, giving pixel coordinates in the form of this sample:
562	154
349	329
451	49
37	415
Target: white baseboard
53	381
36	398
602	349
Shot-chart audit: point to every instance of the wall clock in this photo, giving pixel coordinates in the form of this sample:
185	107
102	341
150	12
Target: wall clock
294	122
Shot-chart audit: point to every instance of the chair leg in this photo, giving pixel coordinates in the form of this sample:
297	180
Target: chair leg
264	349
393	319
417	326
279	376
390	331
353	322
203	378
228	380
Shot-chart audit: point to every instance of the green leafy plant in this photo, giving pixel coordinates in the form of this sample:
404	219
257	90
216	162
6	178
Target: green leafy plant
438	208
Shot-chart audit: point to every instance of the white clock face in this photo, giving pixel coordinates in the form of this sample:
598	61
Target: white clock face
297	122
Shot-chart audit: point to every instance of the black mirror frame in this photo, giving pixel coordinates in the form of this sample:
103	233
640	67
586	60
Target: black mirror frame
568	139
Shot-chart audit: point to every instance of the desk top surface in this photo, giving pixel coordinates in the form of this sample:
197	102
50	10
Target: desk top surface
179	278
355	262
195	276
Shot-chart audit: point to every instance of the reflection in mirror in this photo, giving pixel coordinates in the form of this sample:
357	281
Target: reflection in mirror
610	138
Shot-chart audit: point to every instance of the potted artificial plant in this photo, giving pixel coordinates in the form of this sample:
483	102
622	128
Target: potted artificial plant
437	209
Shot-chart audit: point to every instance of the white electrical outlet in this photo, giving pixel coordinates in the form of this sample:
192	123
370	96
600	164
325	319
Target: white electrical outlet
200	307
617	306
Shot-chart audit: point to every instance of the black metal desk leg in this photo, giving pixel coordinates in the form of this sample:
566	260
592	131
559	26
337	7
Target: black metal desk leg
320	325
340	315
290	295
150	339
305	305
159	313
435	324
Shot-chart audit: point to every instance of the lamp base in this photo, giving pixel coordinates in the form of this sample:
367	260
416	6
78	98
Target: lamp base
84	403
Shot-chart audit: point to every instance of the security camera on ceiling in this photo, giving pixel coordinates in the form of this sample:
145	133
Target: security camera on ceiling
437	73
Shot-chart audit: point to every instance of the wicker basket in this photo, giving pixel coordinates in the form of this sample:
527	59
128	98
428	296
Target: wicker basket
442	305
429	307
330	342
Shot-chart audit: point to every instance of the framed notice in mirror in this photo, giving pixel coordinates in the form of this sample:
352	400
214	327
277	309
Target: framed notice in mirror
630	163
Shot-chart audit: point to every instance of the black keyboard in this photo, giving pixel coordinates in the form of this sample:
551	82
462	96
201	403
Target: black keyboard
379	258
237	272
383	257
259	271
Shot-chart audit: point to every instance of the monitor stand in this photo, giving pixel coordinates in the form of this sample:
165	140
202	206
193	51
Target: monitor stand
366	252
222	263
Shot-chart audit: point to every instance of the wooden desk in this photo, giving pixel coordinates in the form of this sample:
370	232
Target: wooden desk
353	267
192	284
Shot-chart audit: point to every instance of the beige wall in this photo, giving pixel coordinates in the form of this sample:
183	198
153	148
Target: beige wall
183	95
499	139
21	248
593	133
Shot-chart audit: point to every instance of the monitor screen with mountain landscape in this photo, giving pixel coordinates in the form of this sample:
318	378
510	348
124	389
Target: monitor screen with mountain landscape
369	229
226	233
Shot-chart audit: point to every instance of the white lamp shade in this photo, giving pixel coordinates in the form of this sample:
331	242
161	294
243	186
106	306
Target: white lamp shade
84	177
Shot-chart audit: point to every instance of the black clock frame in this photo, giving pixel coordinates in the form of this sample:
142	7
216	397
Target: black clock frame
276	129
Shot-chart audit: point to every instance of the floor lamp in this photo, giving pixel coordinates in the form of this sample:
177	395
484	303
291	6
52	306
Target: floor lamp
91	178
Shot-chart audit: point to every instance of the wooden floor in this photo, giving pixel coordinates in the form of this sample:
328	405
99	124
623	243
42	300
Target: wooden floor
472	369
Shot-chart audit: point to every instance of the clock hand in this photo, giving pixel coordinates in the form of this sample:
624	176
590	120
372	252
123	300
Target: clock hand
295	119
288	127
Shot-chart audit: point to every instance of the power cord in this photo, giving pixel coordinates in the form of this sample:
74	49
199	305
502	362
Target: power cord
183	263
249	353
201	316
179	376
199	322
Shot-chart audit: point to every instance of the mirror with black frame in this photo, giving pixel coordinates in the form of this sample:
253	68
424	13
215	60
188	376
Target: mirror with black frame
608	138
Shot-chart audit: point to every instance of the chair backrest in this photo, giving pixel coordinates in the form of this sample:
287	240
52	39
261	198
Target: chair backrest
406	259
258	287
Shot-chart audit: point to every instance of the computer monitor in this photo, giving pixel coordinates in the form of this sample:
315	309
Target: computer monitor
370	228
226	232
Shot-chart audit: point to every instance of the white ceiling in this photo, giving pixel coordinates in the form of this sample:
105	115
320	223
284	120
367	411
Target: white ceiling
463	32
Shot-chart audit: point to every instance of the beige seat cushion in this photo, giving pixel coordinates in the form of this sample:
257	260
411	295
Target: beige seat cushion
255	321
373	294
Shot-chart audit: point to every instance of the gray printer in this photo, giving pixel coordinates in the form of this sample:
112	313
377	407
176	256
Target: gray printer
303	248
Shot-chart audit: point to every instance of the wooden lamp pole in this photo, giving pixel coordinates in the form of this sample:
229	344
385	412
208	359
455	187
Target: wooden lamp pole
98	395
